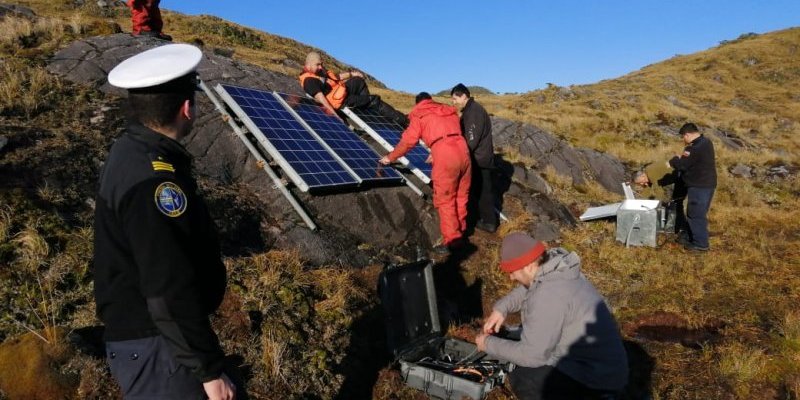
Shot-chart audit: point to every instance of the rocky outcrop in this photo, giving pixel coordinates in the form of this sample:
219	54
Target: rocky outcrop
89	61
582	165
16	11
353	224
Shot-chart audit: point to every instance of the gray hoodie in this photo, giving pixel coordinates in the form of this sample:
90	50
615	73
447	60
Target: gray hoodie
565	324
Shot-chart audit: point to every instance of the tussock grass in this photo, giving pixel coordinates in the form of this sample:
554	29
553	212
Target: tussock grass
31	248
24	89
5	223
18	33
742	366
273	356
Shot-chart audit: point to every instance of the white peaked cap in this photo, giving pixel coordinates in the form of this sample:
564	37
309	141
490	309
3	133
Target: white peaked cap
155	66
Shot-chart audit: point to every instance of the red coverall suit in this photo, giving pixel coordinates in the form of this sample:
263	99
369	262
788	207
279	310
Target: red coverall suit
439	127
145	16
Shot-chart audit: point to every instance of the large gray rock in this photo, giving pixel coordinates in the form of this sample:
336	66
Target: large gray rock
581	165
374	220
742	171
531	179
89	60
731	140
16	11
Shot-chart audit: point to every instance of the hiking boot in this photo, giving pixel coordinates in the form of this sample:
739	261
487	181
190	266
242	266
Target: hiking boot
440	250
458	244
153	34
695	247
486	227
683	239
374	102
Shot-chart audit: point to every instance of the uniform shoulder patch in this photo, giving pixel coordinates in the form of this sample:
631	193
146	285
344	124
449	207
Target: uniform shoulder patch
160	164
170	199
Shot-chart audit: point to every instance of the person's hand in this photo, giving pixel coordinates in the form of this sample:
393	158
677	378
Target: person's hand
493	323
480	341
220	389
385	160
429	160
356	73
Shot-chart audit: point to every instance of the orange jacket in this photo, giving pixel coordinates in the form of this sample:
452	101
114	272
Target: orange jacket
338	91
430	121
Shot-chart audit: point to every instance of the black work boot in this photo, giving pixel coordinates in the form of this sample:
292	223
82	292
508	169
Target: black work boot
440	250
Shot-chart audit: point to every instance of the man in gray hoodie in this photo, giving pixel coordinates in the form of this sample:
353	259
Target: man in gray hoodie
569	347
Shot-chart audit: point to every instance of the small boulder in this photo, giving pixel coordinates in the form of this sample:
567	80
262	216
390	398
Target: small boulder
531	179
779	171
742	171
16	11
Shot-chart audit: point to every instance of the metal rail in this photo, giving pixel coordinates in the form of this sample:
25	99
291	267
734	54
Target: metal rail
262	162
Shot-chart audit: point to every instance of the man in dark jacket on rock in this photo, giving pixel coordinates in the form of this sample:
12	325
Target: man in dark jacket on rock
697	169
569	347
477	129
158	271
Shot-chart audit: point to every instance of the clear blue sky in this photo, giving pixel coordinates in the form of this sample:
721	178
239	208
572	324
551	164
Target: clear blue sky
504	45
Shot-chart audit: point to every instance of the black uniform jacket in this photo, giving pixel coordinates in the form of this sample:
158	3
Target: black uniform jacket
156	254
477	128
696	165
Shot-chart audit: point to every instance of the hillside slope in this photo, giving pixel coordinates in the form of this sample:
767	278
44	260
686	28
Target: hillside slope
746	87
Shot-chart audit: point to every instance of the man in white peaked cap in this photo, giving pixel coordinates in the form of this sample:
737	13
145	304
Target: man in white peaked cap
158	273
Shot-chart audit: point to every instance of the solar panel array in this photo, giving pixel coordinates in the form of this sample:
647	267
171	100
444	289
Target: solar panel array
391	132
361	158
307	162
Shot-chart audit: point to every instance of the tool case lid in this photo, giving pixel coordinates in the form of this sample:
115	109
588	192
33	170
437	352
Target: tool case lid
408	296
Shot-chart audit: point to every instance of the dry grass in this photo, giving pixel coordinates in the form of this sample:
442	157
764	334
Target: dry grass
741	366
273	356
25	89
19	33
5	223
32	248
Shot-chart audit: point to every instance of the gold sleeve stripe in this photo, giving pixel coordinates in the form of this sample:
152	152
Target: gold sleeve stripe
162	166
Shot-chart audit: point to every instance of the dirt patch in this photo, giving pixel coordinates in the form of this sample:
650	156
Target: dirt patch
669	327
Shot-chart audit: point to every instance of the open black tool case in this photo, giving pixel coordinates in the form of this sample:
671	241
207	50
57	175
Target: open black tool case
442	367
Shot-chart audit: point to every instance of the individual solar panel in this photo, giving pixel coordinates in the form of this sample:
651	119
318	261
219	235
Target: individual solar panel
361	158
307	162
387	132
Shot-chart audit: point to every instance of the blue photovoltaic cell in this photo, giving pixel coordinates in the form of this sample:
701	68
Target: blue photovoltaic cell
361	158
301	150
391	132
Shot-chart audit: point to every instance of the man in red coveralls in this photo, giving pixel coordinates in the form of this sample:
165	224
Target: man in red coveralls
146	18
439	127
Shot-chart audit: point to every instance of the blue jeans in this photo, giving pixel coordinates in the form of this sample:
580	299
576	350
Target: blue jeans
699	201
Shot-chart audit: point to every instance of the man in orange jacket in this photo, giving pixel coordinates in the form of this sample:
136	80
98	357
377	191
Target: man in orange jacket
439	127
345	89
146	19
